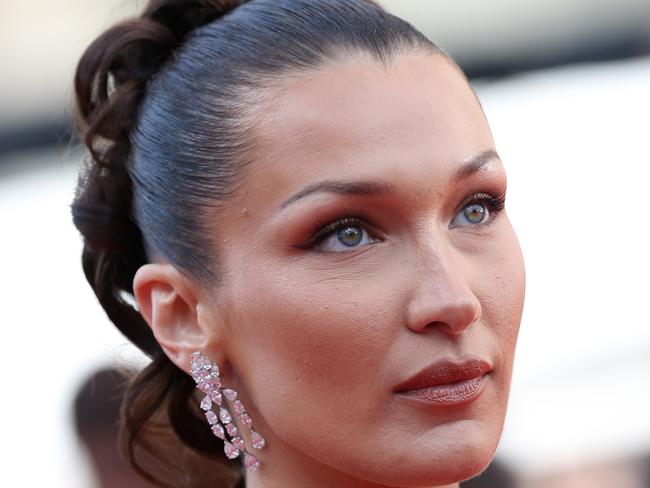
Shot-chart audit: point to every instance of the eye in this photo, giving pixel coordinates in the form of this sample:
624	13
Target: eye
342	235
479	209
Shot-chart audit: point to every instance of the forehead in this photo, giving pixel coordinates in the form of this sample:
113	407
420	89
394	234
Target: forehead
357	119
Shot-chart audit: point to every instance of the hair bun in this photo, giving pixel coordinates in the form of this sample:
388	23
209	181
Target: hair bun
176	19
120	61
183	16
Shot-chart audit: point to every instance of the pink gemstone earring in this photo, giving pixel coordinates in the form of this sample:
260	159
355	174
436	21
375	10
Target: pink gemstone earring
208	379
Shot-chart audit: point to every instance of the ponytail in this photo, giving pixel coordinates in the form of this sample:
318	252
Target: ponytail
110	83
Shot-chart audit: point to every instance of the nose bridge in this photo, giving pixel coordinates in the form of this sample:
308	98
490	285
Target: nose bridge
443	296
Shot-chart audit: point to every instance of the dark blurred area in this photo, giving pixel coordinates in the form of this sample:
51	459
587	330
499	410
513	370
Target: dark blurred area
496	475
96	413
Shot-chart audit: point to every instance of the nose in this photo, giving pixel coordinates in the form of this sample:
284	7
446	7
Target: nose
442	298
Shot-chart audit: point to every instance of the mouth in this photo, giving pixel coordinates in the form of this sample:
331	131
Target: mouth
447	382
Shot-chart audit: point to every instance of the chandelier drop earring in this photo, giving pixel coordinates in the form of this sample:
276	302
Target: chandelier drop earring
208	379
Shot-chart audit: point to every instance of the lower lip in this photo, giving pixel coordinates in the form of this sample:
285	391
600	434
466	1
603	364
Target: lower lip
451	394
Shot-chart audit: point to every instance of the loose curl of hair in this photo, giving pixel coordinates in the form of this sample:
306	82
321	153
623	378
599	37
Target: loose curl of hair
166	103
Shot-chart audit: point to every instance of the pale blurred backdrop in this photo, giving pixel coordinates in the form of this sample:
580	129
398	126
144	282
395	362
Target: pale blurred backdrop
565	85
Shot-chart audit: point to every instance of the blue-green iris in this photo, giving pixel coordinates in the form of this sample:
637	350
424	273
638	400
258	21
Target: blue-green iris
350	236
475	213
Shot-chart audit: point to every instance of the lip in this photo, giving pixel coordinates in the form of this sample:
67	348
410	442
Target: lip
447	382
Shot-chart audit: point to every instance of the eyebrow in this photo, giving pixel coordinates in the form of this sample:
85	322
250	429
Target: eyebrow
469	167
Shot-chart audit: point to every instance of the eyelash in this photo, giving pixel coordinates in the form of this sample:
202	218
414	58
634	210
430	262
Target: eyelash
494	203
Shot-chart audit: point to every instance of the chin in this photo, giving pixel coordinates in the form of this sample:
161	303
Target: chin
467	466
443	472
442	465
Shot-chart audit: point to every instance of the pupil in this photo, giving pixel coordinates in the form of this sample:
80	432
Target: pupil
350	236
475	212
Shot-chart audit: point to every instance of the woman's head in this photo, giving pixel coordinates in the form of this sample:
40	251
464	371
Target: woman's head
259	131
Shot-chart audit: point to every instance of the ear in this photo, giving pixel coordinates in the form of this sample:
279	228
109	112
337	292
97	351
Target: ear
169	303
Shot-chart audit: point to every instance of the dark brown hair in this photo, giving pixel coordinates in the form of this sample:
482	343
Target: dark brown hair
163	106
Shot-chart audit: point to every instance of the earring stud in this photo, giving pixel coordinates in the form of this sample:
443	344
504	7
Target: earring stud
207	377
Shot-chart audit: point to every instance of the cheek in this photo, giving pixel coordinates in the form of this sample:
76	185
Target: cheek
321	343
502	293
511	286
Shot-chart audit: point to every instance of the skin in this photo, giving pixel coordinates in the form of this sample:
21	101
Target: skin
316	340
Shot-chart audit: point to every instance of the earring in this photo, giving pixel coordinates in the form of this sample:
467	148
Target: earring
208	379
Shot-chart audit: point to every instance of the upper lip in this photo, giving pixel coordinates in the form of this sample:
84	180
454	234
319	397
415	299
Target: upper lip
446	371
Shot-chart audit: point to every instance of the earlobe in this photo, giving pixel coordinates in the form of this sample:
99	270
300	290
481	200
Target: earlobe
168	303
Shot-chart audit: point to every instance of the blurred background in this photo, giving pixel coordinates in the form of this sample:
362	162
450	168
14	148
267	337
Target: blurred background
565	85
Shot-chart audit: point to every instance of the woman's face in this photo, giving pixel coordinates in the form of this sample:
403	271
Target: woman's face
322	326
